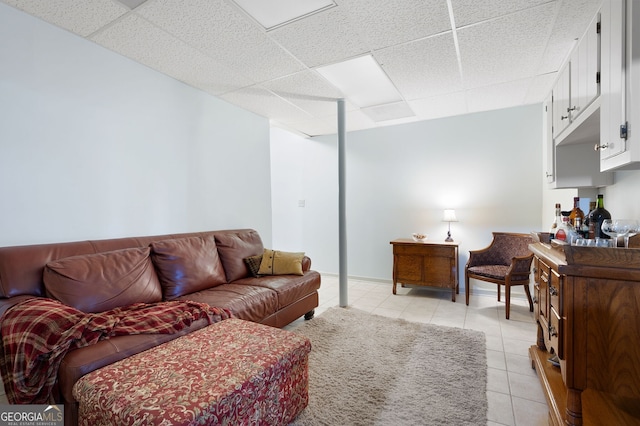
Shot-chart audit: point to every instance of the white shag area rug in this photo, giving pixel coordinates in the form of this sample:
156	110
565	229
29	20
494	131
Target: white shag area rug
371	370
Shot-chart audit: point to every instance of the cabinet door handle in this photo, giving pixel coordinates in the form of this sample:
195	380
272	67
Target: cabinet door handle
599	147
573	108
552	331
553	291
564	117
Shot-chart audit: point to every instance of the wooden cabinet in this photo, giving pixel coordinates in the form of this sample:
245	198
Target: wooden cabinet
588	314
426	264
619	147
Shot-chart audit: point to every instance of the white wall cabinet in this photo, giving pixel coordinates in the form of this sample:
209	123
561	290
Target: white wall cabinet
578	84
561	101
619	146
572	116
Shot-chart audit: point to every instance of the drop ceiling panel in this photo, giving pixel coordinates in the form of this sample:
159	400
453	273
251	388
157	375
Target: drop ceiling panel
423	68
540	88
225	34
469	12
313	127
307	90
147	44
387	23
440	106
498	96
575	16
507	48
323	38
264	103
510	50
79	16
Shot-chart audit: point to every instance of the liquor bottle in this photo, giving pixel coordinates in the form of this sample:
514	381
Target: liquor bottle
556	222
592	207
577	215
565	231
596	217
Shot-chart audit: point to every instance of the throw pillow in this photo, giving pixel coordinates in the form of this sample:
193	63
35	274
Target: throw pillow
253	264
234	247
276	262
186	265
103	281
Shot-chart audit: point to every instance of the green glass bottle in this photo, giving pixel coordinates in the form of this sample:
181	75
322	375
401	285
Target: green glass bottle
596	217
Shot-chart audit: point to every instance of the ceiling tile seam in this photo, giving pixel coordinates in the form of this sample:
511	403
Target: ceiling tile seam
515	12
287	101
110	24
456	44
240	9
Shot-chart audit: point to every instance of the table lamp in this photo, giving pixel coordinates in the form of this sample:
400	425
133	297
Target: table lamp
449	216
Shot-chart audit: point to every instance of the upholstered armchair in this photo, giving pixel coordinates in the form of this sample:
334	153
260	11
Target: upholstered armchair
506	261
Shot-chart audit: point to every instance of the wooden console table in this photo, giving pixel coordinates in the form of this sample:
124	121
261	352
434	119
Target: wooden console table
426	263
588	312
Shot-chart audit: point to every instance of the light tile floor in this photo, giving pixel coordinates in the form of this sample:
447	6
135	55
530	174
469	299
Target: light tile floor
514	393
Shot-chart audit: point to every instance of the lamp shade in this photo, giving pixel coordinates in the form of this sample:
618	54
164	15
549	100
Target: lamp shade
449	216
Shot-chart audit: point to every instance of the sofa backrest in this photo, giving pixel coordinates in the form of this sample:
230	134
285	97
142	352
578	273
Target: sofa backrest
21	267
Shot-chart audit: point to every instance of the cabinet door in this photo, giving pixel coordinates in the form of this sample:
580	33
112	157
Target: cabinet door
585	65
590	61
561	101
612	107
547	120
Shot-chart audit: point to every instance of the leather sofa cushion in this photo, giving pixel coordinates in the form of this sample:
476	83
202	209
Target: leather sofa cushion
289	288
247	302
234	248
103	281
186	265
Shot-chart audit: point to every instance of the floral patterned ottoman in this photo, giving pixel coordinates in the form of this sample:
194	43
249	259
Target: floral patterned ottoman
232	372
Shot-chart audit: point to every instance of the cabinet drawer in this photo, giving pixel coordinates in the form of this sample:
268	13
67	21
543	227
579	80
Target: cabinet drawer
555	292
424	250
555	333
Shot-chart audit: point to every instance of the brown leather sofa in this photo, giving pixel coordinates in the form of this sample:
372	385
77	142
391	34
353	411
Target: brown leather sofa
272	300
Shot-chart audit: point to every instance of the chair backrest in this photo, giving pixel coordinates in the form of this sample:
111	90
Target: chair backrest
507	245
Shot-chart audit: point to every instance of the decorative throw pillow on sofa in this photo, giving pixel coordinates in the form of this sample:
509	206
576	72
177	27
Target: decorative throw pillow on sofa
236	246
253	264
103	281
186	265
276	262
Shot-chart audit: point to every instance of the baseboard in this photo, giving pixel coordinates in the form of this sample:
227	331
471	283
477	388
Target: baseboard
474	291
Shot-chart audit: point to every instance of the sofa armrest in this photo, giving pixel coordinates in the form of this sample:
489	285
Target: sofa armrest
306	264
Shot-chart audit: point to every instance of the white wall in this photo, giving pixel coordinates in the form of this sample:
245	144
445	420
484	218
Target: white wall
93	145
400	179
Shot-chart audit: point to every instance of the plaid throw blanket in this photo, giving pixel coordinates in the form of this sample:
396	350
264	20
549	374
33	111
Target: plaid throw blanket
37	333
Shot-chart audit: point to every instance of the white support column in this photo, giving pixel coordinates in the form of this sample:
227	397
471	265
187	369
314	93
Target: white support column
342	215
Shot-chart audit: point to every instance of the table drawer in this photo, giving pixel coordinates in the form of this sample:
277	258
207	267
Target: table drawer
425	250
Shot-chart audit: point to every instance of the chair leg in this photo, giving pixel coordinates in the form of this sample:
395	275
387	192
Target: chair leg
528	292
466	288
507	297
498	292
